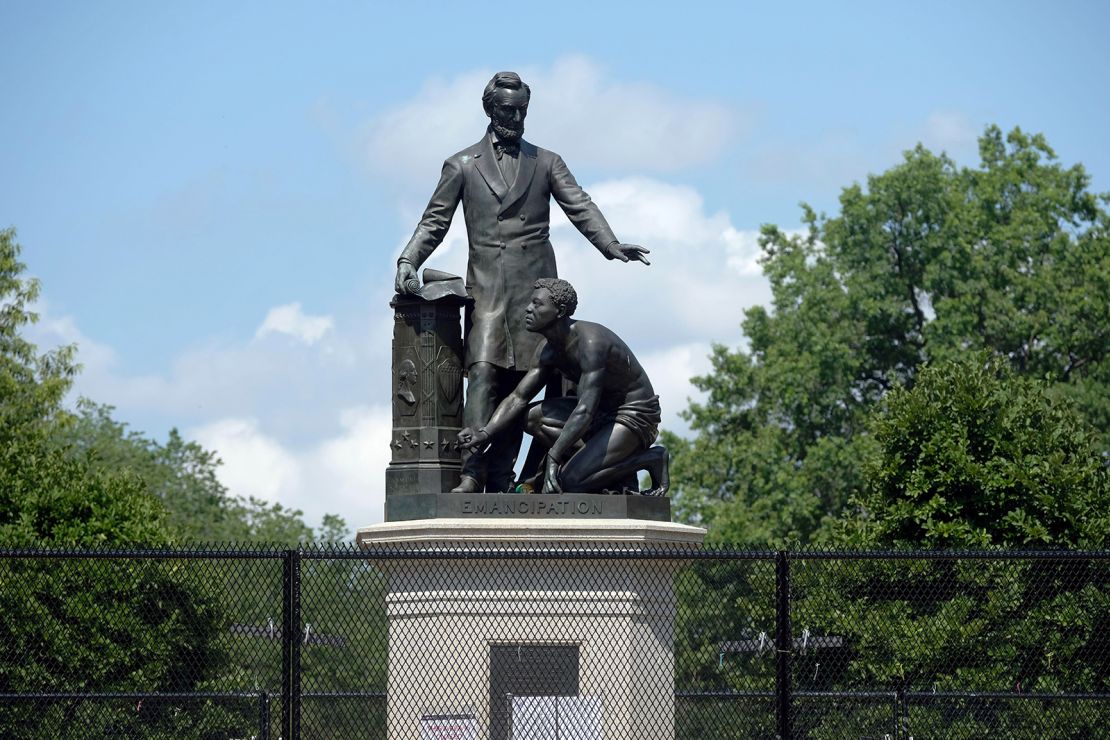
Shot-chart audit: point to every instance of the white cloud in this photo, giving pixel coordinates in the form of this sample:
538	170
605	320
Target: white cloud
254	464
577	109
283	418
670	371
53	331
349	468
285	384
410	141
743	252
291	320
699	283
597	121
343	473
293	423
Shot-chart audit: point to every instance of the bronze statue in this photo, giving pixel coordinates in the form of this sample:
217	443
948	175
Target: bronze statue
600	437
505	185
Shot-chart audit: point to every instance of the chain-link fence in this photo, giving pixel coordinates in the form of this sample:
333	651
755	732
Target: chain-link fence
534	641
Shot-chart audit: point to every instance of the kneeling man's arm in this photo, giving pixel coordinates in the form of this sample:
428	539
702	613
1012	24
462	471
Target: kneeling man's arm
508	410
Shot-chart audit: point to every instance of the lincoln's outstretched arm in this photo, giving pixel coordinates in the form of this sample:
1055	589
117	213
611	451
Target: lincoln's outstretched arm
587	217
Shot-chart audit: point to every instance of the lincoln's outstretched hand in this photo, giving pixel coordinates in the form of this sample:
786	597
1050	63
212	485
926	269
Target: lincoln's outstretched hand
626	252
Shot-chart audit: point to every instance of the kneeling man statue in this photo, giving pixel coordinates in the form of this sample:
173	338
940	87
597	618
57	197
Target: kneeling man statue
602	436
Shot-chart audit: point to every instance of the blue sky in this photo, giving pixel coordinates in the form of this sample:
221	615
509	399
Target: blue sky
213	194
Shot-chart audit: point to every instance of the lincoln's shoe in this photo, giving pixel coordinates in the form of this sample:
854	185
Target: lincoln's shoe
467	485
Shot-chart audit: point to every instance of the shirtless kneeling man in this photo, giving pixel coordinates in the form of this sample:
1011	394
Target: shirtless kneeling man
603	435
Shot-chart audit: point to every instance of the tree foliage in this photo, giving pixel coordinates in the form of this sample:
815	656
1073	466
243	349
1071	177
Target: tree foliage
47	495
975	455
182	475
121	626
927	263
82	478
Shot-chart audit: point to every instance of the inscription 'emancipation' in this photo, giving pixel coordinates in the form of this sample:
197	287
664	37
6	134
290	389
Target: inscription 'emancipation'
532	508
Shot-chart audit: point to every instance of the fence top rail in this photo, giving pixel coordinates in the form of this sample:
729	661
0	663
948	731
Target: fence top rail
485	551
989	554
343	694
233	552
891	694
1035	696
768	694
832	694
516	550
725	694
684	694
128	695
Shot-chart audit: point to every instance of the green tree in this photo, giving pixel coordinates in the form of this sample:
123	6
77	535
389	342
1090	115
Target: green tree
180	474
183	476
975	455
82	479
49	496
927	263
80	624
333	528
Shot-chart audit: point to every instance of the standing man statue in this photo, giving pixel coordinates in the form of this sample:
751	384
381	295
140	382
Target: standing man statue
505	185
600	437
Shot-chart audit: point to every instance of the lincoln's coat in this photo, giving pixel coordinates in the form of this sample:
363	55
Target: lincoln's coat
508	229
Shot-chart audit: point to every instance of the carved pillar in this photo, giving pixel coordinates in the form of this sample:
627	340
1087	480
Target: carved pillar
427	394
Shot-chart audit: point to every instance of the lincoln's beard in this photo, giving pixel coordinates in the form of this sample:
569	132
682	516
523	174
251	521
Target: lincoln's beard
506	133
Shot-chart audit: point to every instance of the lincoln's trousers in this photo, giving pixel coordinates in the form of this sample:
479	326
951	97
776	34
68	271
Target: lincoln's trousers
487	386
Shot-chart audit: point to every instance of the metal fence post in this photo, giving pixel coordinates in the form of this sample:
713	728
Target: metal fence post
291	645
286	631
295	642
783	645
263	715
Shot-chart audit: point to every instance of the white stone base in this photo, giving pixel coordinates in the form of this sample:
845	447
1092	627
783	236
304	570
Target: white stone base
445	613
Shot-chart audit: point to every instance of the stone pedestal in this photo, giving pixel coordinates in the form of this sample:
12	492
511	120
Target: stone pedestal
427	394
455	622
